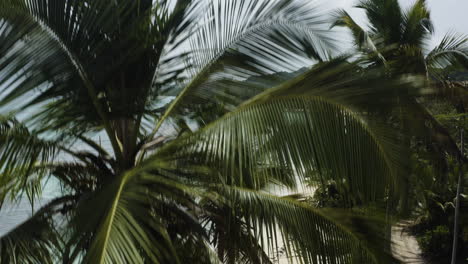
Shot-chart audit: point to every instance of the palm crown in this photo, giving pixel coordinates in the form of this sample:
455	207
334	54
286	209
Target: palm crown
140	74
401	37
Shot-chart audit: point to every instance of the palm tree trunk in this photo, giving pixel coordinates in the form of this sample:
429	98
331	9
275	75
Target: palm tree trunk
457	203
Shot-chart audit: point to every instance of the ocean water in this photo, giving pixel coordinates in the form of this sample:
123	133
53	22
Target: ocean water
13	214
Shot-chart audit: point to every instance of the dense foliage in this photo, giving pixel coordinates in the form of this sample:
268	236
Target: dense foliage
398	39
170	125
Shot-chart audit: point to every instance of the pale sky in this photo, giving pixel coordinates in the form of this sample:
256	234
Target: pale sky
447	15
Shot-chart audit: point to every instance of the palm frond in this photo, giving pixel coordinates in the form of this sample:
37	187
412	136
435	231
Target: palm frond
25	67
385	18
321	106
230	234
37	240
124	38
451	51
68	24
127	229
309	236
272	221
362	38
417	25
21	150
343	19
370	226
279	134
78	178
238	39
37	68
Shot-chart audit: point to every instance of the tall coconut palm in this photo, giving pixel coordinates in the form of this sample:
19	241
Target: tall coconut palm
105	97
401	37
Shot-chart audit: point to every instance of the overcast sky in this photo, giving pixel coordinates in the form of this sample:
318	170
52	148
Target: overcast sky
446	14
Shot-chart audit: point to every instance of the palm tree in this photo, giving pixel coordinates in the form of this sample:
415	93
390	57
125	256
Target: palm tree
400	38
107	98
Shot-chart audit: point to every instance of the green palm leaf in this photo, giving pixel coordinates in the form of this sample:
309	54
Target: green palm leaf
21	150
418	25
452	50
271	220
310	234
126	230
360	36
37	240
301	127
311	116
227	48
25	66
385	18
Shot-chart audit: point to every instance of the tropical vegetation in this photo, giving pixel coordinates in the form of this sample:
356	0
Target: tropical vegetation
177	130
399	39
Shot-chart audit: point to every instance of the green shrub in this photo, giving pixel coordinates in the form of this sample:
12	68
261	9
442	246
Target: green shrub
436	242
329	196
